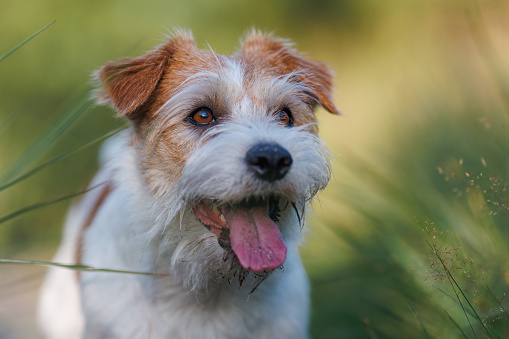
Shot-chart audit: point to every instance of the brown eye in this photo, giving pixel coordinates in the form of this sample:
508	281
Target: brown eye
202	116
284	117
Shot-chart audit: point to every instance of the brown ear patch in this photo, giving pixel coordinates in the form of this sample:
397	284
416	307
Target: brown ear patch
278	54
127	84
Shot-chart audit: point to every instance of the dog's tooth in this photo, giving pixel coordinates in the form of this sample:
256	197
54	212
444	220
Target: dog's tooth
222	218
215	209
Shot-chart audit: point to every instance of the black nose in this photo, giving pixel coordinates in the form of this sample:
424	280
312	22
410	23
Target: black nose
270	162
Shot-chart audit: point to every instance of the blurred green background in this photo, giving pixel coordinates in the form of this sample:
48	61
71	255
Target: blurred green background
424	142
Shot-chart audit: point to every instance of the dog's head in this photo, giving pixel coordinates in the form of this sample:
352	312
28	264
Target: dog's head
230	142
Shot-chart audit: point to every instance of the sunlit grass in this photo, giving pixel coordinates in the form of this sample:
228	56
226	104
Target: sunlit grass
15	48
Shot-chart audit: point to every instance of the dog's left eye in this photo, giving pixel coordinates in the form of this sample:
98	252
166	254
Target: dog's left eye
202	116
284	117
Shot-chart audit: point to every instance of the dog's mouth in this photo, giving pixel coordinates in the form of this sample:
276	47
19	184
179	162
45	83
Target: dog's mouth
249	229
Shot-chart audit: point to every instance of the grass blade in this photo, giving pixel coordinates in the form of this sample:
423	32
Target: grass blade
73	267
496	334
455	323
47	140
454	284
420	322
45	204
12	50
469	311
59	157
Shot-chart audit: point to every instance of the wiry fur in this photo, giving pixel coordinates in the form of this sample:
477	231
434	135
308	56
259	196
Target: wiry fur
157	171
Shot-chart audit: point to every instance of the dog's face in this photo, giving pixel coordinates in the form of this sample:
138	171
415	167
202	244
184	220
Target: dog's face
230	142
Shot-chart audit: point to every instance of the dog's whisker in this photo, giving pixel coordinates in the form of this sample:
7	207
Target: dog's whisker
296	212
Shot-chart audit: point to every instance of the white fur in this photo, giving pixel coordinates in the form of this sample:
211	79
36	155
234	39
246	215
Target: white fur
137	229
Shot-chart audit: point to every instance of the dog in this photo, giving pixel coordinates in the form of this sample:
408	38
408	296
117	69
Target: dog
206	192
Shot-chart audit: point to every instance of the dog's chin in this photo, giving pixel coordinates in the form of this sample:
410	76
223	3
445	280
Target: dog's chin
204	263
247	231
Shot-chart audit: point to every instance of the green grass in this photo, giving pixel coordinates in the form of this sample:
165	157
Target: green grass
11	177
15	48
410	240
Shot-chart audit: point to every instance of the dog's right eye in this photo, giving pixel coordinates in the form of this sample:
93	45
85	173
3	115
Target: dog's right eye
202	116
284	117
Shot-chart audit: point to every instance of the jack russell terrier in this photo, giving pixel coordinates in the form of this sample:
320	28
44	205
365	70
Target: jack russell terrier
207	190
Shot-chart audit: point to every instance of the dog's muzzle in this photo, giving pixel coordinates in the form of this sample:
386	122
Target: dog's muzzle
237	180
249	228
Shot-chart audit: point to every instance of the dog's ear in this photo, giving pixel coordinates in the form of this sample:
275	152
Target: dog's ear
280	55
128	83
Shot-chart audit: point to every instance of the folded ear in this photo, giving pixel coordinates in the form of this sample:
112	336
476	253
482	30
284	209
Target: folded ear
128	83
280	55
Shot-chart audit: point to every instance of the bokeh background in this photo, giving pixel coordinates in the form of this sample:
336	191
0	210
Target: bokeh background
423	145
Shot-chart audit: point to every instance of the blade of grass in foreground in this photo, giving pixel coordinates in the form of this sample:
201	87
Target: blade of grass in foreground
45	204
47	139
12	50
59	157
73	267
455	324
420	321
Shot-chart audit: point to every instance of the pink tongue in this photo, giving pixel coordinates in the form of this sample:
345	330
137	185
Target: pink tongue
255	239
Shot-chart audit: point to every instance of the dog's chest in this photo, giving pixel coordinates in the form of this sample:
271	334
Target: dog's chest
223	312
277	308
